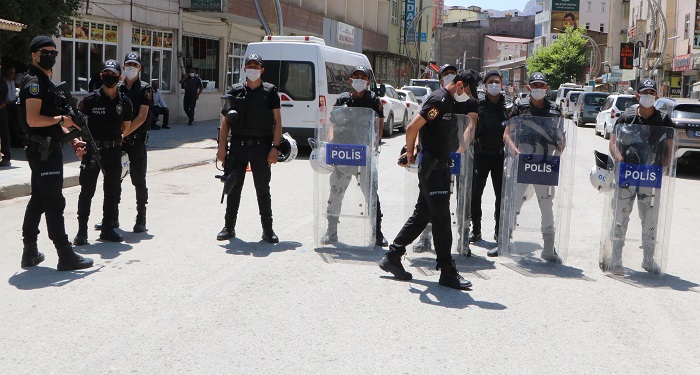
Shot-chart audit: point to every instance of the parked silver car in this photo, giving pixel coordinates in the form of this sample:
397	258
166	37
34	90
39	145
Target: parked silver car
685	114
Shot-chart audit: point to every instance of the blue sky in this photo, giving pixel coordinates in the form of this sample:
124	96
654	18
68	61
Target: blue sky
490	4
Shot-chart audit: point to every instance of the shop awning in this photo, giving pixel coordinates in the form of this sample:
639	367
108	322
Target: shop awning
11	26
435	68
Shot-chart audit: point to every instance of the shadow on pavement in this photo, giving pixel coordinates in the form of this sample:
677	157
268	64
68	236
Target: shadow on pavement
106	250
42	277
260	248
351	254
133	238
438	295
472	265
535	267
647	280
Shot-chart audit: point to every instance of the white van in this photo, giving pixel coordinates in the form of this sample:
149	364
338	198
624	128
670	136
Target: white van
309	75
564	89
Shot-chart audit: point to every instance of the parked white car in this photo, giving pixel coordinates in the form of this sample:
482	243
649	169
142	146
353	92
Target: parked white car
395	111
570	103
523	98
611	109
421	92
411	103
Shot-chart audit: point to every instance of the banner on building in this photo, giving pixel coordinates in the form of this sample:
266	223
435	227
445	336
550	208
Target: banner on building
440	12
626	55
410	12
696	39
207	5
681	63
346	34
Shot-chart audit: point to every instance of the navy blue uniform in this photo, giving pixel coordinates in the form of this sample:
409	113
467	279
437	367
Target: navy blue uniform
105	119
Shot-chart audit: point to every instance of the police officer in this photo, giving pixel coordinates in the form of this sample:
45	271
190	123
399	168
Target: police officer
488	152
47	126
433	122
255	139
465	104
141	96
360	96
647	201
109	117
540	107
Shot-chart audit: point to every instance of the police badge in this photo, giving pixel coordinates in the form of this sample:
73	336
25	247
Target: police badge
34	88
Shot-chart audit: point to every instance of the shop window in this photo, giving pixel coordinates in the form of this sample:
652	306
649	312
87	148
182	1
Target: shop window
84	46
202	55
234	71
156	49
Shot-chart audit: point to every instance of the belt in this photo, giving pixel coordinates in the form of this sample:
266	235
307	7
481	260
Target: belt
107	144
251	142
137	136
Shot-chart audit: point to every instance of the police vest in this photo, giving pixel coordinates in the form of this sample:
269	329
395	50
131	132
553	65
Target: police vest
255	117
489	134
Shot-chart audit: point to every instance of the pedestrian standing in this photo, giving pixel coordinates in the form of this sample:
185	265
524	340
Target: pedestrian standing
434	123
159	107
193	88
255	139
362	97
47	127
488	153
109	116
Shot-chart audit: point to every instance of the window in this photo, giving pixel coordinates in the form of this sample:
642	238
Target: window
394	12
602	28
686	26
202	55
588	6
294	78
84	46
236	53
588	25
602	7
156	50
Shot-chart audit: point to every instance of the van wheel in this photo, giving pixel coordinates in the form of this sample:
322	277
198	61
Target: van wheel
606	134
389	125
404	123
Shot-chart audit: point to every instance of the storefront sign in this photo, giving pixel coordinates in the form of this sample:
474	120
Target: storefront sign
346	34
565	5
696	39
439	12
681	63
410	11
626	55
210	5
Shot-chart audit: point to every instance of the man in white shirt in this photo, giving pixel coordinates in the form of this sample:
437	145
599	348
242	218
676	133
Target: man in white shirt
159	107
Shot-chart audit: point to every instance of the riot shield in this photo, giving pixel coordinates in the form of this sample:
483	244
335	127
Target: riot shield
461	167
345	188
537	189
644	169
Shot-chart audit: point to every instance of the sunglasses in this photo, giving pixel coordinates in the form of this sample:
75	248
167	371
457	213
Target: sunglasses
47	52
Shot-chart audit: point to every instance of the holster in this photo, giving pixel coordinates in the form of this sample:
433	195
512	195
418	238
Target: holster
41	145
428	164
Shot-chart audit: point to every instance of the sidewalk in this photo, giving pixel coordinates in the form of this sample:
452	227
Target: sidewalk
189	141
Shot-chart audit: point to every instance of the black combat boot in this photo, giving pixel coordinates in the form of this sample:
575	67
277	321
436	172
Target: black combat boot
140	225
269	234
392	262
475	235
81	238
31	255
331	235
69	260
226	232
450	277
115	224
109	234
380	240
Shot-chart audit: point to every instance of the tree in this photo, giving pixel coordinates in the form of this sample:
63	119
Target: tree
563	59
42	17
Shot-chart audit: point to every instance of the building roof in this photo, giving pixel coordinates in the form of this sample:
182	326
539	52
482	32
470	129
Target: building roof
507	39
11	26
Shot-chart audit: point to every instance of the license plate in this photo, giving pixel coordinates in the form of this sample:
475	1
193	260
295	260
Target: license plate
696	133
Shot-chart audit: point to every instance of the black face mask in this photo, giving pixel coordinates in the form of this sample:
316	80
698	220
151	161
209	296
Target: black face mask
110	81
47	62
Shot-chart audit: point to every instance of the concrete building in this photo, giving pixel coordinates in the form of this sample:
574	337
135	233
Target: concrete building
462	14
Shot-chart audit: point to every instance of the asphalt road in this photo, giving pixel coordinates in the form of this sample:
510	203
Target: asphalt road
175	300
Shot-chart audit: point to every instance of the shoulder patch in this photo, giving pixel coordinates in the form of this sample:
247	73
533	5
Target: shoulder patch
120	109
433	113
149	94
34	89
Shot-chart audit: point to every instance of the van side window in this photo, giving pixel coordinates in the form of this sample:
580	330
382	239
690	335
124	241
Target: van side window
294	78
337	76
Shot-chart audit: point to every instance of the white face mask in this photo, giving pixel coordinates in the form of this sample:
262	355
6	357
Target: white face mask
538	94
252	74
647	100
461	98
359	85
131	72
493	89
448	78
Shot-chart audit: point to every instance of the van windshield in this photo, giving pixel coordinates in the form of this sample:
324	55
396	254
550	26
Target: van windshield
294	78
594	99
623	103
